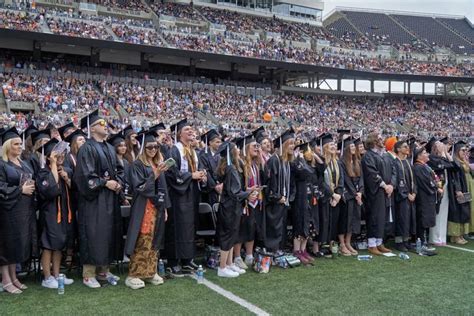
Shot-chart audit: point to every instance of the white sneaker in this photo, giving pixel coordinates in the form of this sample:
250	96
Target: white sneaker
249	260
67	281
240	263
50	283
91	283
235	268
226	273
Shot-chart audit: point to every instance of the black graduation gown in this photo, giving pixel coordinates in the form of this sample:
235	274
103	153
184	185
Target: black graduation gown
209	163
404	210
335	212
440	166
318	198
54	235
300	210
352	211
230	208
458	213
375	197
99	214
390	177
17	215
146	187
184	196
70	163
249	224
275	213
426	196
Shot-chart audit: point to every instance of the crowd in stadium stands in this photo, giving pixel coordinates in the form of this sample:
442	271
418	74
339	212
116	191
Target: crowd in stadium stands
19	21
176	10
233	43
318	113
234	21
132	5
78	29
137	35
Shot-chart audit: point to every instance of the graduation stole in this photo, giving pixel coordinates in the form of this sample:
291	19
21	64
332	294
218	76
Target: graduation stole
188	156
332	174
58	206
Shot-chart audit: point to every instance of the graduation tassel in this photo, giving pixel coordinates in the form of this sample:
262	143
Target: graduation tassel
206	145
281	147
244	146
23	143
342	147
42	157
142	144
228	155
88	128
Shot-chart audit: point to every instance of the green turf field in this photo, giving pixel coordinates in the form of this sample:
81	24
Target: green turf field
440	285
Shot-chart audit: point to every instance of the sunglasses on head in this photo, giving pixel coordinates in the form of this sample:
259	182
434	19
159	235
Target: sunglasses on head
151	147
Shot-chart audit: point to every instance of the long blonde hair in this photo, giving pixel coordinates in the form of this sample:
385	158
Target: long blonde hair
248	162
7	146
286	156
328	159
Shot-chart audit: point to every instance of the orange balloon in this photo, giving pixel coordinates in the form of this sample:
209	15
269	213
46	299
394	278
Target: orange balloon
267	117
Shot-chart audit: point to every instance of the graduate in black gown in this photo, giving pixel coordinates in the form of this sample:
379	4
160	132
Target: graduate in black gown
279	192
427	194
98	177
75	139
301	212
66	130
148	213
118	142
231	206
376	191
334	178
390	159
27	143
352	197
405	194
53	184
253	176
133	147
209	160
38	138
17	212
163	138
459	213
184	180
320	192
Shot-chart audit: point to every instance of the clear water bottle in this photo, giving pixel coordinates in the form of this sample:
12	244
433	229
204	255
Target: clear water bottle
200	275
334	250
364	257
161	268
418	246
112	280
61	284
404	256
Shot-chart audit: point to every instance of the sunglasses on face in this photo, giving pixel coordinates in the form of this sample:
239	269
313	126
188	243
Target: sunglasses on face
152	147
101	123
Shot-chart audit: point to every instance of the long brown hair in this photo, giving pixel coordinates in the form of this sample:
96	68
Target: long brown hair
352	162
248	162
235	160
131	149
286	155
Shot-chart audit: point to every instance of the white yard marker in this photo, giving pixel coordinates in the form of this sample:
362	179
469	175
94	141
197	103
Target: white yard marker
234	298
459	248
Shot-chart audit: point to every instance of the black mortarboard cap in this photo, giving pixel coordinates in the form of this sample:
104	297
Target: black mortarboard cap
36	136
259	134
304	146
64	128
458	145
157	127
29	130
127	131
429	145
10	134
325	138
209	136
90	119
288	134
70	138
116	139
146	137
176	127
47	148
444	140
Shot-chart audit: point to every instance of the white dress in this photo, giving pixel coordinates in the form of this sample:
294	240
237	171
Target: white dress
439	232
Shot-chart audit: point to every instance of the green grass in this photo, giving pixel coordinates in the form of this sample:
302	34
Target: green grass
440	285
